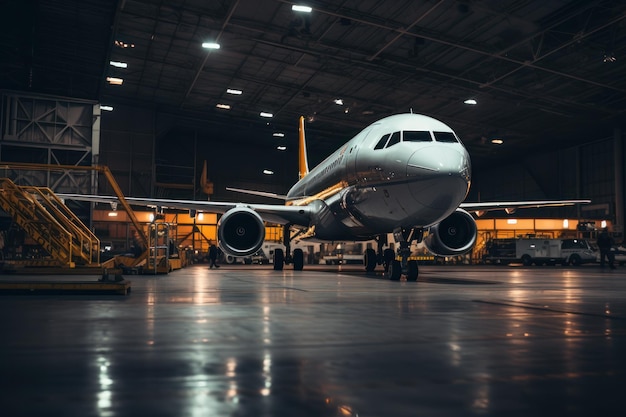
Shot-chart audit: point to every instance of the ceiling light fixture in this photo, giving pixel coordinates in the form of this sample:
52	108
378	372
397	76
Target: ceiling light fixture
609	57
281	148
122	44
497	141
223	106
234	92
265	114
470	101
115	80
118	64
106	108
339	102
268	172
301	8
211	45
278	134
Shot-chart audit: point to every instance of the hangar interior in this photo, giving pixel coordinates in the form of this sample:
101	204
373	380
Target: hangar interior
129	85
121	97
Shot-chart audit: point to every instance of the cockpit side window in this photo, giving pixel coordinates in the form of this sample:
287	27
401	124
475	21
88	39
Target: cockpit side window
395	138
381	143
445	137
416	136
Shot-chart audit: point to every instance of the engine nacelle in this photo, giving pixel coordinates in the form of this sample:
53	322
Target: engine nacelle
240	231
454	235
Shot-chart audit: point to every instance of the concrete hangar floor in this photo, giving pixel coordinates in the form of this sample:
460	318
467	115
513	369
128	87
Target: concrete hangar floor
249	341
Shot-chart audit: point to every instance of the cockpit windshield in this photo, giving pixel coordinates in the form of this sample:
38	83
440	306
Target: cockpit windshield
390	139
416	136
445	137
395	138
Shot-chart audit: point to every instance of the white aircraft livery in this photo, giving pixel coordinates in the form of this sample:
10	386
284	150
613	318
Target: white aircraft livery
406	174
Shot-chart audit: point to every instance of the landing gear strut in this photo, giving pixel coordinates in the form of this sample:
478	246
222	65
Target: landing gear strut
404	266
281	258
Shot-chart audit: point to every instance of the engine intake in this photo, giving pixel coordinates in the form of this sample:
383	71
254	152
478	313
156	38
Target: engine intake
240	231
454	235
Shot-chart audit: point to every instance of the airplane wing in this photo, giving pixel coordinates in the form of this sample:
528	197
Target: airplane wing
259	193
511	206
272	213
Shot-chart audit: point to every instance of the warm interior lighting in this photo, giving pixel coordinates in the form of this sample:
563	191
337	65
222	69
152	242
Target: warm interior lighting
511	221
201	216
122	44
565	224
118	64
112	213
211	45
233	91
115	80
265	114
223	106
301	8
470	101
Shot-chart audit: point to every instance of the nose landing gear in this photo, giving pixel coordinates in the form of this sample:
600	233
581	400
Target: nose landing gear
404	266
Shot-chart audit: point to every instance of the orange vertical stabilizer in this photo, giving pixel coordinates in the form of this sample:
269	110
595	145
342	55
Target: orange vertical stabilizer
303	163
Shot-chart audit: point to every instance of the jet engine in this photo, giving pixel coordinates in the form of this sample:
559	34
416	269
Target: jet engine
240	231
454	235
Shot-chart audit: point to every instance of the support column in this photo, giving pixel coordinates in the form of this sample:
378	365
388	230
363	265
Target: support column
618	155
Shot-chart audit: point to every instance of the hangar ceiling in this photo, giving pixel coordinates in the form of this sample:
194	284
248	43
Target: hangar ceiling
543	73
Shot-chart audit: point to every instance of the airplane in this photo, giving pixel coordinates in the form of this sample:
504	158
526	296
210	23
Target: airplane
405	174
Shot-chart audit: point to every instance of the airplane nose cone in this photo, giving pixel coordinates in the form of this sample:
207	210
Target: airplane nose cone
440	176
439	161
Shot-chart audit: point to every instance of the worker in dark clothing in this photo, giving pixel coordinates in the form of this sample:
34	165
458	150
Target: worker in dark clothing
605	242
213	256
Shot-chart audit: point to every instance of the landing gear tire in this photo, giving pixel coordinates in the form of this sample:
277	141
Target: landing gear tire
411	271
388	256
369	259
395	270
279	259
298	260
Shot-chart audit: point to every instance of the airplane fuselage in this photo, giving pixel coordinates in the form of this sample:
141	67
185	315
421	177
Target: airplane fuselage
403	170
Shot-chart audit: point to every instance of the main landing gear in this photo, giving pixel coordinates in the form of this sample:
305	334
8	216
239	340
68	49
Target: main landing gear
281	258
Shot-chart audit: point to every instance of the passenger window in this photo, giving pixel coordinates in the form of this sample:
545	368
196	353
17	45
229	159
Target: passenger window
445	137
416	136
395	138
381	143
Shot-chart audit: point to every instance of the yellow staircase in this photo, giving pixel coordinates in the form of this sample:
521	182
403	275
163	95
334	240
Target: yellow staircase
50	223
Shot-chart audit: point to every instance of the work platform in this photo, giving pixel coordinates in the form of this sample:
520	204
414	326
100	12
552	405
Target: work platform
249	341
49	285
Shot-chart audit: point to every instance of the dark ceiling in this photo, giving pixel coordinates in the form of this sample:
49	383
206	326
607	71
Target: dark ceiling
544	73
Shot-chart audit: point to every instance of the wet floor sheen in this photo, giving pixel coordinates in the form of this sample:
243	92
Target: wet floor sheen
249	341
